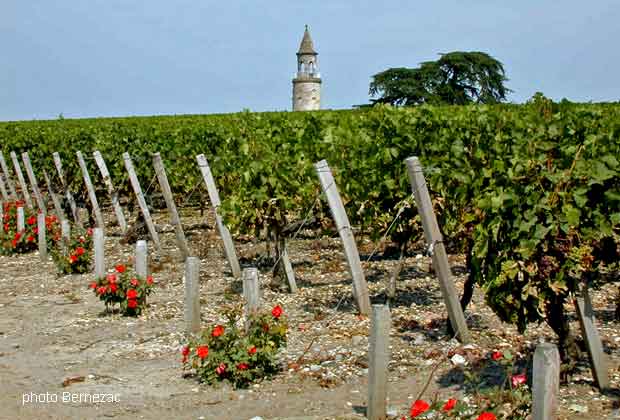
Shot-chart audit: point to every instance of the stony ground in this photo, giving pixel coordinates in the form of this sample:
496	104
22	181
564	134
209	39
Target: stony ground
55	338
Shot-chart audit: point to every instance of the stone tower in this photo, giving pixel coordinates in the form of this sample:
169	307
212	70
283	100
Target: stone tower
307	82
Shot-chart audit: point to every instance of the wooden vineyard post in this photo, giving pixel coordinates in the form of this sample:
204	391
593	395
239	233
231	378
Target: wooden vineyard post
214	196
192	295
288	269
7	177
107	180
378	358
91	190
437	249
133	178
598	359
65	235
3	191
545	382
41	236
251	294
141	259
99	252
21	223
160	171
33	183
328	184
57	207
65	187
22	181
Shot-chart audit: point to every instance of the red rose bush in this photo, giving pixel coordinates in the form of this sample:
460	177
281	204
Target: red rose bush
124	288
229	353
74	256
508	400
13	241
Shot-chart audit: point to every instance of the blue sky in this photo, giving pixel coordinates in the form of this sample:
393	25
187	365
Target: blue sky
89	58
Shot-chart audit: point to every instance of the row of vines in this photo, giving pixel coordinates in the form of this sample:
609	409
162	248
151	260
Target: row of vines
529	193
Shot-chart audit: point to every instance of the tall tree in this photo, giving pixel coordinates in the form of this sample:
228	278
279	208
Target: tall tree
456	78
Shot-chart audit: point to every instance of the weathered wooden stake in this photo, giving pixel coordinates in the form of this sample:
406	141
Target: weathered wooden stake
328	184
141	259
65	235
91	191
105	174
378	359
545	382
41	234
175	220
22	181
3	191
192	295
65	187
251	293
99	252
214	196
288	270
7	176
34	184
21	222
437	249
57	207
598	359
133	178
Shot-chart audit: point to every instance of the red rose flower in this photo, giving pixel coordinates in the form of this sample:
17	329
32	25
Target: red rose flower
202	351
89	232
14	243
113	287
185	353
30	238
217	331
252	350
73	259
132	303
134	282
6	227
486	416
93	285
79	251
36	230
101	290
449	405
220	369
419	407
242	366
81	240
149	280
17	236
120	268
132	294
111	278
31	220
276	311
497	355
518	380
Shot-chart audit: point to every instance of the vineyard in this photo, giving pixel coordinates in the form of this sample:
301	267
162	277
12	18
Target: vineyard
528	195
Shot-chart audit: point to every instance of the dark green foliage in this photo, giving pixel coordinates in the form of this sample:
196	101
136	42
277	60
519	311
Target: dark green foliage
457	78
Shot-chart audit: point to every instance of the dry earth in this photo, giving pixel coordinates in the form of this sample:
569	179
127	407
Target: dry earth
53	329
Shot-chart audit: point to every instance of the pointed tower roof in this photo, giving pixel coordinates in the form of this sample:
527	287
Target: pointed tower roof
306	46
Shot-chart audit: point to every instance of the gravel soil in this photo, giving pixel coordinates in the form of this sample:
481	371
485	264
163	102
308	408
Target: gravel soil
55	338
